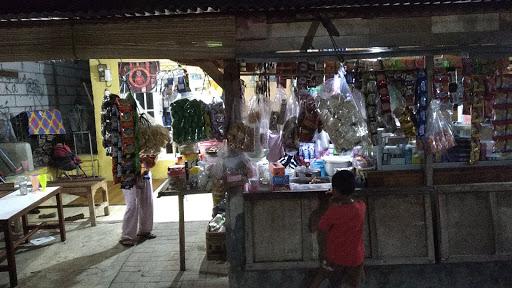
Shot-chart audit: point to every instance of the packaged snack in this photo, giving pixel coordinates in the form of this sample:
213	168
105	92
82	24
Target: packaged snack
308	121
439	131
241	138
421	103
217	119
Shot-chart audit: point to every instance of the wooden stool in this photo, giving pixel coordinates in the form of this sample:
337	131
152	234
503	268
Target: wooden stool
87	188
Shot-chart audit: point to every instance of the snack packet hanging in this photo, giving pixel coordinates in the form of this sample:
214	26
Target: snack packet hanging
278	110
308	120
439	133
290	132
257	119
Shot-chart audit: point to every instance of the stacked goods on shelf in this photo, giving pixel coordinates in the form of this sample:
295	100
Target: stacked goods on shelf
477	114
385	101
503	114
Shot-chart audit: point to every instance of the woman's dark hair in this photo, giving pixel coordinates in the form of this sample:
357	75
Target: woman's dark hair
344	182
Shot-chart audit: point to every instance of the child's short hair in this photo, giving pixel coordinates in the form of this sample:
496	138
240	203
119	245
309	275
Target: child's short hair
344	182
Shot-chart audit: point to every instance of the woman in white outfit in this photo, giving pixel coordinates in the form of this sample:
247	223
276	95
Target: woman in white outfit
138	218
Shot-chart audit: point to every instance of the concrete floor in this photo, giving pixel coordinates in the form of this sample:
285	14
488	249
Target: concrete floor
91	257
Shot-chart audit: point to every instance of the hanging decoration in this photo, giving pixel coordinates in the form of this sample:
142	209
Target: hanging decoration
140	76
45	122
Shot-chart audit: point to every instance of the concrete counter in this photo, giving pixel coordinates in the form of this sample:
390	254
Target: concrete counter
269	232
270	243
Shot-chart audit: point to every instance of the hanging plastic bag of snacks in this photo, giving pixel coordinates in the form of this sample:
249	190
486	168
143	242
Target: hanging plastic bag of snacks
402	112
340	115
421	103
439	133
290	132
360	102
241	137
217	119
385	102
237	167
257	120
278	110
308	120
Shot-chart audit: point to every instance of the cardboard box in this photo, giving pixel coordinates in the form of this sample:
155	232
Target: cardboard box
276	169
216	246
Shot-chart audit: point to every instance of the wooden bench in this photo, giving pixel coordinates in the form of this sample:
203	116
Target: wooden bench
87	188
14	207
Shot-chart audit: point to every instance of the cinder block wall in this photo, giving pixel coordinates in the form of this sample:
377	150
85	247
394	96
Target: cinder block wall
45	85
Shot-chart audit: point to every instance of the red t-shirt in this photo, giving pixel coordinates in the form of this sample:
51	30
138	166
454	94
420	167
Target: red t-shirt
343	224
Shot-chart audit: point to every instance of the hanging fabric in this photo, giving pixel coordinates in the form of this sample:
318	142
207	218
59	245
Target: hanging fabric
45	122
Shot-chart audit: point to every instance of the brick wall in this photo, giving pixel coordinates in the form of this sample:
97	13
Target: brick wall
44	85
50	84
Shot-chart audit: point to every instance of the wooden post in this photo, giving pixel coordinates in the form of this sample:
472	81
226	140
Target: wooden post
10	251
24	222
181	223
232	95
60	213
182	230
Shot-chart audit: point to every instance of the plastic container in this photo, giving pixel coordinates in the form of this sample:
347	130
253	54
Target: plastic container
336	162
319	165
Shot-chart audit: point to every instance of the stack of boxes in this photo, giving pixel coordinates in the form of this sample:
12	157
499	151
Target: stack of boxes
278	180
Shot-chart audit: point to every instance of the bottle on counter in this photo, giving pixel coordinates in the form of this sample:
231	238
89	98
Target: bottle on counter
21	184
408	154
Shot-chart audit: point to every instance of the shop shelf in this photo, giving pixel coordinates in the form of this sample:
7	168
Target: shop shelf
401	167
478	164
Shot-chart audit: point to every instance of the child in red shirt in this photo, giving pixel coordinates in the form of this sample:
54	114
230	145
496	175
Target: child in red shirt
343	224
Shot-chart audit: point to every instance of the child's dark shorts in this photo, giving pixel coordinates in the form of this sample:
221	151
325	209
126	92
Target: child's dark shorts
338	274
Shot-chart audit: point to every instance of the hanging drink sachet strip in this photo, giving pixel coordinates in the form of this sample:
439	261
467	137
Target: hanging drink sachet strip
421	103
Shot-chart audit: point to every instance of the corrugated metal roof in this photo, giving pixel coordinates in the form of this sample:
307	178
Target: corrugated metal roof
17	10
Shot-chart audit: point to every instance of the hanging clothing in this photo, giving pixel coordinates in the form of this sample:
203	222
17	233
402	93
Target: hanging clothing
138	218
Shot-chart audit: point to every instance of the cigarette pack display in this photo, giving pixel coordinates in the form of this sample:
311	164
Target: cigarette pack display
280	180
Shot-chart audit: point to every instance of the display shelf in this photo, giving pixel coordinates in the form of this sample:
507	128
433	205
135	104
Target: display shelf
501	122
502	137
478	164
503	106
401	167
